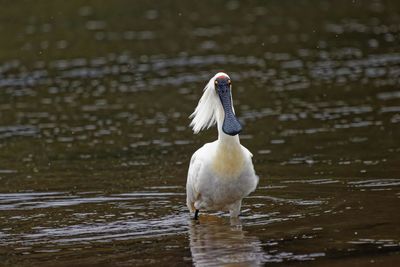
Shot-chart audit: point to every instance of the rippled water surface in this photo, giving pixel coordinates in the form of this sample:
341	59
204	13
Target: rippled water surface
95	144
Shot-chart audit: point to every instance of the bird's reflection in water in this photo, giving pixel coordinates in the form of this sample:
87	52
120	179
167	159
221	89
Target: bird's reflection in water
216	242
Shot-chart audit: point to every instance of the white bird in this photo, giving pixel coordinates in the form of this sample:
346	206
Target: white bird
220	173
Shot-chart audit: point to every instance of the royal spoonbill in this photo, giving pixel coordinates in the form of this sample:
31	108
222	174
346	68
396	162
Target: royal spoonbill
220	173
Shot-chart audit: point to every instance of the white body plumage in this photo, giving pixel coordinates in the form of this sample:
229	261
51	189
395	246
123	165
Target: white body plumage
221	173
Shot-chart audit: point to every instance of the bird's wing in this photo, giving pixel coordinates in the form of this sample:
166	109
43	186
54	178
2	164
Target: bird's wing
251	171
192	192
247	151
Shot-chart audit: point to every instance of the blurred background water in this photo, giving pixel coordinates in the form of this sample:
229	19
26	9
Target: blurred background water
94	138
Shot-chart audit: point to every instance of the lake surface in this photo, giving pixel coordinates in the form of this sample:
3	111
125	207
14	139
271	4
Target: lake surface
95	143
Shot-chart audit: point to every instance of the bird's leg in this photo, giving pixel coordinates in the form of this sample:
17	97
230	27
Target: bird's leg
196	215
235	208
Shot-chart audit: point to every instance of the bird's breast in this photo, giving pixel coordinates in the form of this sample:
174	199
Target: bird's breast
228	162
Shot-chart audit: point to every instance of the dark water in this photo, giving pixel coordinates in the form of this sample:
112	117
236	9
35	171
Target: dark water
95	144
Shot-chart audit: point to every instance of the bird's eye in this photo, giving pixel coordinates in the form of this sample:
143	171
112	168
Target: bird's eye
216	82
229	82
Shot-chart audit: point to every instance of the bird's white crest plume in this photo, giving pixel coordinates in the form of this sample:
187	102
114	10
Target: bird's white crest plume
204	116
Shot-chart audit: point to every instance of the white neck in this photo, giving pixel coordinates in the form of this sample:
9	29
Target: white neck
223	138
